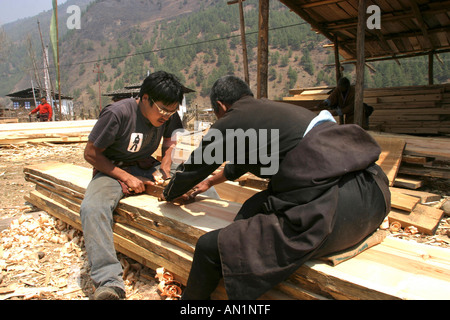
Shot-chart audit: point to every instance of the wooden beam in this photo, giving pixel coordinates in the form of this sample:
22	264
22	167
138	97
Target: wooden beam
421	22
319	3
336	58
395	15
360	63
430	69
338	68
263	49
243	39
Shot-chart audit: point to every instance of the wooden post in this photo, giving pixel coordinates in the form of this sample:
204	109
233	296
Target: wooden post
57	54
336	59
263	49
97	65
243	39
430	69
360	63
338	68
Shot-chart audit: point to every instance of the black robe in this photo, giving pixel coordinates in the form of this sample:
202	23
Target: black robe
324	198
303	214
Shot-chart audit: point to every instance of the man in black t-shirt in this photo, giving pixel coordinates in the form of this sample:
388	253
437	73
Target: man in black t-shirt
120	146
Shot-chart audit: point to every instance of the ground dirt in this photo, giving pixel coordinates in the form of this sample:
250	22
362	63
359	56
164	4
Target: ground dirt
41	258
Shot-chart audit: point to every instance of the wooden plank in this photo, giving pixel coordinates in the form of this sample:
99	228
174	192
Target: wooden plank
154	252
416	159
234	192
73	218
391	156
437	147
383	272
402	201
435	172
426	219
422	195
405	182
54	131
74	177
191	220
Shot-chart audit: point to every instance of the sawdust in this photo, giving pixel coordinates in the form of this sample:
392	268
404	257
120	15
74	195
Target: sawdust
42	258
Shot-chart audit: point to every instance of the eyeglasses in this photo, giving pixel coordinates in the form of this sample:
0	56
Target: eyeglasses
162	111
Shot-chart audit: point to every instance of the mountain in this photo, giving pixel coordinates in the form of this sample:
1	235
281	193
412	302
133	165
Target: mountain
198	40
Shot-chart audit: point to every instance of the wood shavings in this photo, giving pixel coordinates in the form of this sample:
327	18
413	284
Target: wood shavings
168	287
395	226
411	229
29	272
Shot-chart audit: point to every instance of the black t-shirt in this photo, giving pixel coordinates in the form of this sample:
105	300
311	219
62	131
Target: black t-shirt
126	135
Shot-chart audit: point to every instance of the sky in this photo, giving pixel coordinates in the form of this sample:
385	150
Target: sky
12	10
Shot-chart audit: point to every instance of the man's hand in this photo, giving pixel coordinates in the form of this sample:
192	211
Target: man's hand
181	200
137	184
200	188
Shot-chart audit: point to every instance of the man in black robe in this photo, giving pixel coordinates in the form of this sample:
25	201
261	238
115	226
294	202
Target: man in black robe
325	194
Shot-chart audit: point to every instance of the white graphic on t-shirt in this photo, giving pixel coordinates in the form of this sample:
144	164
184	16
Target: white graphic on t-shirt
135	142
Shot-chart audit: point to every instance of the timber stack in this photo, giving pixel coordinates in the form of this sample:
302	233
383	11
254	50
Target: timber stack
50	132
405	110
159	234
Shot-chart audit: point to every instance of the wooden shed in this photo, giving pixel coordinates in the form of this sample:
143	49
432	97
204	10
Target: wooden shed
362	31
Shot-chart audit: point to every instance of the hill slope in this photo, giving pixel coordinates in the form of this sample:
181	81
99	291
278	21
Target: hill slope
130	38
199	41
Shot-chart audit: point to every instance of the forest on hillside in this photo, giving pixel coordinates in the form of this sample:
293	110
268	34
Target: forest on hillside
205	45
200	47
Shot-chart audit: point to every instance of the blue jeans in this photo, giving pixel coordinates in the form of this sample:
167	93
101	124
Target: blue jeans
101	198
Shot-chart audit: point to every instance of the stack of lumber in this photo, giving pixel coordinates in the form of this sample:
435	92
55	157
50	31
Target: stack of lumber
52	132
163	234
408	207
422	156
9	120
410	110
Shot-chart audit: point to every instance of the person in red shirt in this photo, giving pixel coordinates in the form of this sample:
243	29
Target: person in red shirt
44	109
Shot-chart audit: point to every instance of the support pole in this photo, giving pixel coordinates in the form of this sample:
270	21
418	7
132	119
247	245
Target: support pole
360	63
263	49
430	69
336	59
57	54
98	71
243	39
338	68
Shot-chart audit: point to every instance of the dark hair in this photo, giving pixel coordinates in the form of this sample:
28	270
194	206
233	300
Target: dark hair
344	82
229	89
162	86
